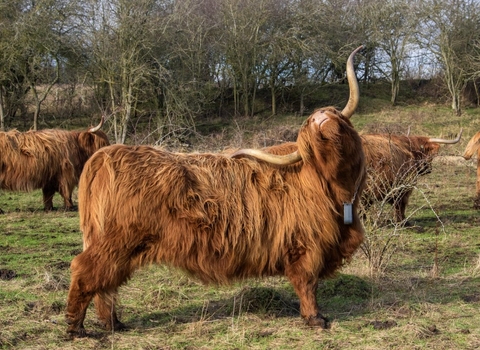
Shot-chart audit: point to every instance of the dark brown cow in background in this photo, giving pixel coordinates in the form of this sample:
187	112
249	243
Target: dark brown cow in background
473	147
221	217
50	159
394	163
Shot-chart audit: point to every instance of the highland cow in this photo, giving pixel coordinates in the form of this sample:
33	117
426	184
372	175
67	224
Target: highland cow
220	217
394	163
473	147
49	159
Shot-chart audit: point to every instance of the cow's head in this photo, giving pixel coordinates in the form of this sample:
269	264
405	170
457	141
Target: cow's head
424	149
325	136
93	139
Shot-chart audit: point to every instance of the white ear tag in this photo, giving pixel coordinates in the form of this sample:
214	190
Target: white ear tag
347	213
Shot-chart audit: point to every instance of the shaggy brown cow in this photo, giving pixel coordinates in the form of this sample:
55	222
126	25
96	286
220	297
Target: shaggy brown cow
394	163
473	147
48	159
220	218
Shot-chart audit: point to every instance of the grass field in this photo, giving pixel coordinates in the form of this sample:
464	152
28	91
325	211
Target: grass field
427	295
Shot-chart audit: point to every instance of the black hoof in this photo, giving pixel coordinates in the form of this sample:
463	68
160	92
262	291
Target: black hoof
80	333
317	321
117	326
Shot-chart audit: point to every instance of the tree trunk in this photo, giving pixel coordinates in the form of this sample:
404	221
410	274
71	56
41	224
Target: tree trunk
128	102
477	92
36	113
112	100
395	91
39	100
274	100
456	103
2	114
302	102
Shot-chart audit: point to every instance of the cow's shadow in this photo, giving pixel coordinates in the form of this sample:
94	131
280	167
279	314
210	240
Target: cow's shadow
263	301
345	294
341	299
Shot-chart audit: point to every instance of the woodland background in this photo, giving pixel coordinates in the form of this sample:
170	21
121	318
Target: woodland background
160	68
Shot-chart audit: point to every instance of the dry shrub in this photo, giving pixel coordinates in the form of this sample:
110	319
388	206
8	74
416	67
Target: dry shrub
393	128
383	234
274	136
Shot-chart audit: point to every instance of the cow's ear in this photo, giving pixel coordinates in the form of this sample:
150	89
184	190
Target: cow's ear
86	140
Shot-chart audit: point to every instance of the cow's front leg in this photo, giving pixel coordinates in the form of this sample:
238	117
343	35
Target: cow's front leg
305	284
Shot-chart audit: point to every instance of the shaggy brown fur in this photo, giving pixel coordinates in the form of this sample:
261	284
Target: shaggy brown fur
394	163
473	147
218	218
48	159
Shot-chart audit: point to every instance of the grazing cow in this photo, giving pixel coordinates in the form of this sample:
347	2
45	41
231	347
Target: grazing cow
49	159
473	147
393	162
220	217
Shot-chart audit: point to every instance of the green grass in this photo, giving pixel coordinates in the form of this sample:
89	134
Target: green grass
427	297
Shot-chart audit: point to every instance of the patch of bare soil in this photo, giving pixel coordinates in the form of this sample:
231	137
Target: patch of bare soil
7	275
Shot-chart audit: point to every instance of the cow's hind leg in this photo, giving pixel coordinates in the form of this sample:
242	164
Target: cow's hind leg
80	294
66	191
400	206
95	275
476	202
305	285
48	192
106	312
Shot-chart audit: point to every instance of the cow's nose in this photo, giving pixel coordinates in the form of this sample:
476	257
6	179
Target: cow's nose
319	117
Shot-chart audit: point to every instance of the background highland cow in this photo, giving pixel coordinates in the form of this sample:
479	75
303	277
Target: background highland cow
394	163
49	159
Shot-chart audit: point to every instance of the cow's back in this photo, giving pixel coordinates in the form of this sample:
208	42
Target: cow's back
28	160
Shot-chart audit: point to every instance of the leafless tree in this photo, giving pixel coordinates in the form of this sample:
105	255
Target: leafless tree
390	26
450	29
120	36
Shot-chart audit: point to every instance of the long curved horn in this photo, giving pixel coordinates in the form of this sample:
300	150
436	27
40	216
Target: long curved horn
96	128
446	141
353	85
268	157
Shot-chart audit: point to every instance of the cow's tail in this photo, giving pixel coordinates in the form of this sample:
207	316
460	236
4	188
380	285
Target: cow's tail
95	186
